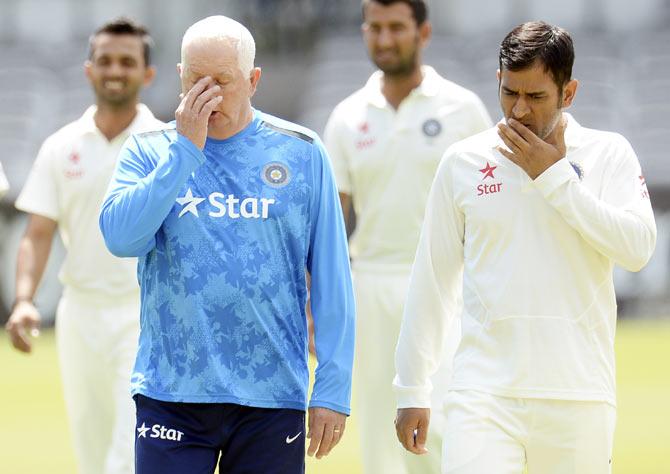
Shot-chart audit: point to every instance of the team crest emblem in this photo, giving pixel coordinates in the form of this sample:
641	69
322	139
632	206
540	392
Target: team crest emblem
578	169
431	128
275	174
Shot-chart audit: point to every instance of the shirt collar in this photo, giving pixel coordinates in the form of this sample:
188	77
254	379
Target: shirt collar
429	87
139	123
573	133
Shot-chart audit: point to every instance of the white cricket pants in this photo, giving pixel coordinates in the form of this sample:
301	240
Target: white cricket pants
485	433
97	344
380	299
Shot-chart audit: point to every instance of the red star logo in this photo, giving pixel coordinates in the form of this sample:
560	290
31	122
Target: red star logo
74	158
364	127
642	180
488	171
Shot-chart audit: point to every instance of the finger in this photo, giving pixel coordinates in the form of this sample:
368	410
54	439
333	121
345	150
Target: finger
316	433
523	131
508	154
209	107
18	336
421	437
510	144
326	442
205	97
509	134
195	91
338	432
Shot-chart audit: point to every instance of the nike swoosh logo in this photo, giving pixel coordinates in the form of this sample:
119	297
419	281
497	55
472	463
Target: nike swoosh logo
289	440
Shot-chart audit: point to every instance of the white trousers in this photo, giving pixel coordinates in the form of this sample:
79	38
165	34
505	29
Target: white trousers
380	299
97	345
489	434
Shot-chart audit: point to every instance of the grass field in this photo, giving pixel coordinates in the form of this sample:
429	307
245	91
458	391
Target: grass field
34	437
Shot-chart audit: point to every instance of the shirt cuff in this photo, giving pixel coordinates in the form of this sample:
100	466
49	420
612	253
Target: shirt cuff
555	176
189	147
411	397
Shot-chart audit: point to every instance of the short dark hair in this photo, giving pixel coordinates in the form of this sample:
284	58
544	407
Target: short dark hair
537	40
419	8
124	26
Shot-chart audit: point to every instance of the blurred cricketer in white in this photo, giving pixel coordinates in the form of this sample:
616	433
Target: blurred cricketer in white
97	321
385	142
530	216
4	184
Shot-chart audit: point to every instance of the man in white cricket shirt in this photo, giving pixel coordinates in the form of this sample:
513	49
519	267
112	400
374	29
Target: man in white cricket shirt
4	184
385	142
97	322
531	216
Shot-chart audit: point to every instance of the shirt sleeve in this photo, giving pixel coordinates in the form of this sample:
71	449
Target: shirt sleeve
433	295
4	184
142	193
620	223
332	298
40	192
334	140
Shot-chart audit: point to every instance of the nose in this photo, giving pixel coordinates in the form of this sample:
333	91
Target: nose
115	69
520	108
384	38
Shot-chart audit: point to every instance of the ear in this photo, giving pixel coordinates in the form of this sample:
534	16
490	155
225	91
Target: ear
88	70
425	32
149	75
569	92
254	79
180	69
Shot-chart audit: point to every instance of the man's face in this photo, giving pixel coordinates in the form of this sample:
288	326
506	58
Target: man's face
117	70
393	38
218	60
532	97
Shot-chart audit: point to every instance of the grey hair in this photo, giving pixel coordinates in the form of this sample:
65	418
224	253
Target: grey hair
221	27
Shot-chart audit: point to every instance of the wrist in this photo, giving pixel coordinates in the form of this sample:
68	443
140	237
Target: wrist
20	300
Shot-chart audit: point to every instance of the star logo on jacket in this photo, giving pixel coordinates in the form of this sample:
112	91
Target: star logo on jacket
488	171
74	158
485	188
190	203
364	127
142	431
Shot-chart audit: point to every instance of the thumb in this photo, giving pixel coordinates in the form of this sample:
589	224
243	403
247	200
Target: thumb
422	435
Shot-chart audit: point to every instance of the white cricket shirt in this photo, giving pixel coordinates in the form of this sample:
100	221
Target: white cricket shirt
67	183
4	184
535	259
386	159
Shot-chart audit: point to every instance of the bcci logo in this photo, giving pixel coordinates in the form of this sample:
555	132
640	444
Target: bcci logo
275	174
431	128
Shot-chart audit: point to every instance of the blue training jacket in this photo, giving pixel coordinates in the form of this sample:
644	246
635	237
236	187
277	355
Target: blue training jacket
224	238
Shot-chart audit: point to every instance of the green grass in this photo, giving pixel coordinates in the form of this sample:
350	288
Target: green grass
34	436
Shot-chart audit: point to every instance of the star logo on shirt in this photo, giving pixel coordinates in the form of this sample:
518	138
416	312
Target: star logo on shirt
190	203
488	171
142	431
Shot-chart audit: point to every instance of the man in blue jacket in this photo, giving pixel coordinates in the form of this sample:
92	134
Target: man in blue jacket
229	209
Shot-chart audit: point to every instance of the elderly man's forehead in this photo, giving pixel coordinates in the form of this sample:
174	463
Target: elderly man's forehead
212	46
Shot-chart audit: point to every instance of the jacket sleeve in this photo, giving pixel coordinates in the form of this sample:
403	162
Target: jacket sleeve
620	222
433	295
142	192
332	298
